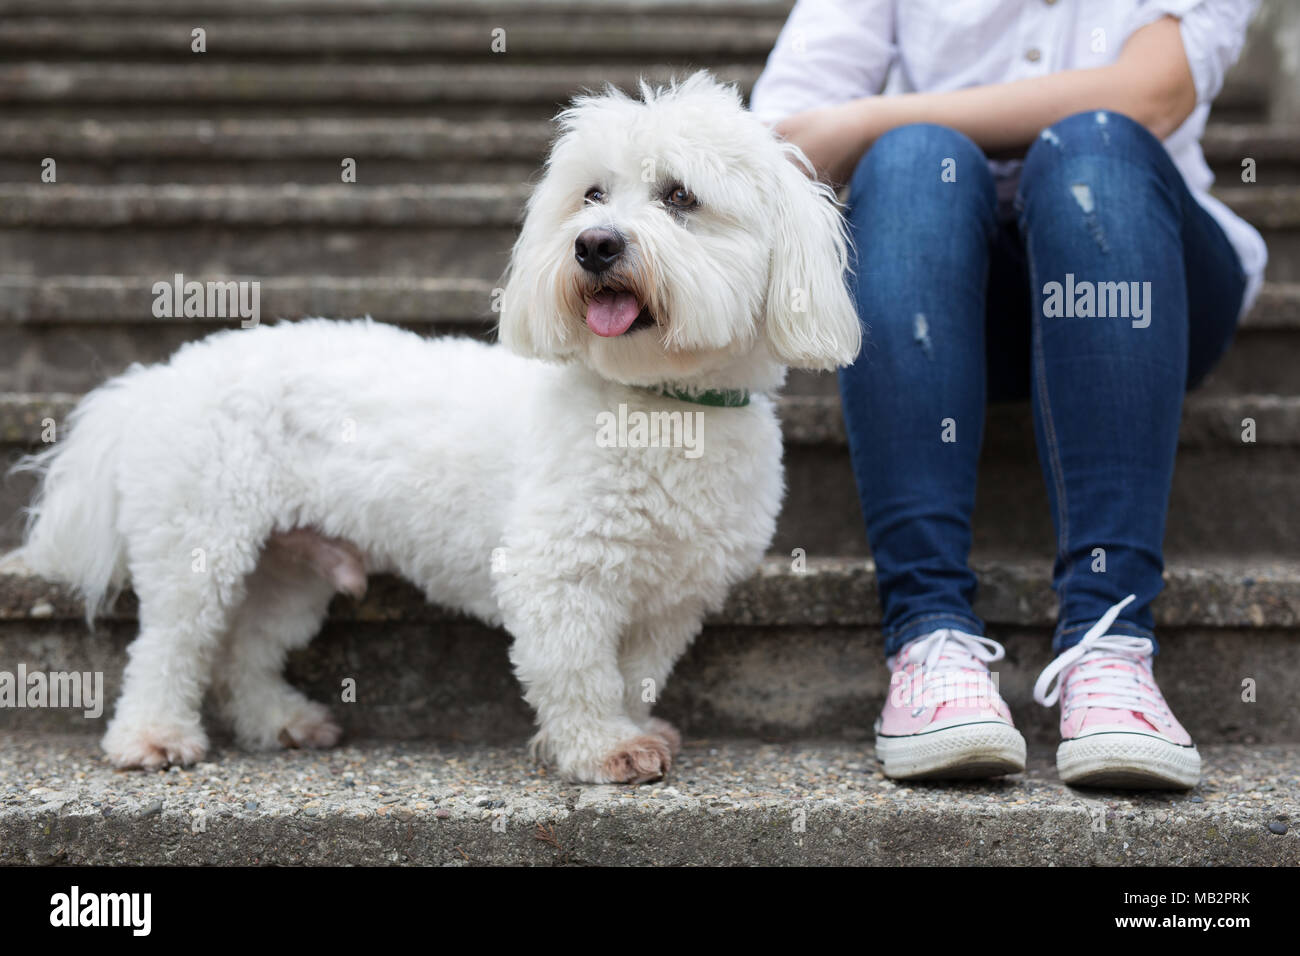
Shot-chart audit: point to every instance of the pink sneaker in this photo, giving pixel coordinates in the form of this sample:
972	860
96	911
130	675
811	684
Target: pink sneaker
1116	729
944	717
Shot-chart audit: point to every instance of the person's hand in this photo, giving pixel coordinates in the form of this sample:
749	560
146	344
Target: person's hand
831	137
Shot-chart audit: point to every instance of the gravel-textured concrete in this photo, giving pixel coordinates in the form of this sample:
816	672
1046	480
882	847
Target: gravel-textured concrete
724	803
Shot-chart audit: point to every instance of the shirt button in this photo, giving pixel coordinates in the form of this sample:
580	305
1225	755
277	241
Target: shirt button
1033	55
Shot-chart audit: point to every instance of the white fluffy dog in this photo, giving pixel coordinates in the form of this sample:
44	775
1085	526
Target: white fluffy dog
672	262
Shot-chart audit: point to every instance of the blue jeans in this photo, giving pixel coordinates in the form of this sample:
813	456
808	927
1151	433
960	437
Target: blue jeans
958	310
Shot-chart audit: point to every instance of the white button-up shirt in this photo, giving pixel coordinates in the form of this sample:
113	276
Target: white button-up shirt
832	51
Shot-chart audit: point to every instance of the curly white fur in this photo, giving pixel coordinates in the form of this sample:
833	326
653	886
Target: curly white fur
470	470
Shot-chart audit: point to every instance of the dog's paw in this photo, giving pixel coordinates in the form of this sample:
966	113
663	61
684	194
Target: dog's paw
642	759
661	728
152	746
312	726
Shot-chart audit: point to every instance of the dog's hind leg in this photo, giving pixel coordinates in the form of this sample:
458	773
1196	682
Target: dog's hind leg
185	606
646	657
287	600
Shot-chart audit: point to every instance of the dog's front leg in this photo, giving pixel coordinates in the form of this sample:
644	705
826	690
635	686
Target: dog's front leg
565	653
646	657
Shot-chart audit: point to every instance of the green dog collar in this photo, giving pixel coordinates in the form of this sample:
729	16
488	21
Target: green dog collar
716	398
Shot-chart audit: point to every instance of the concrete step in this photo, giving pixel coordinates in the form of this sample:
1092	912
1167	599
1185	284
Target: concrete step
115	300
1275	149
811	420
67	333
1012	516
399	150
1263	358
460	204
277	151
486	89
337	204
349	230
483	89
725	803
529	36
410	230
348	8
794	655
343	230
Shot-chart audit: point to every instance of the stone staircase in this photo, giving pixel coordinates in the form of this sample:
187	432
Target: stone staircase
226	165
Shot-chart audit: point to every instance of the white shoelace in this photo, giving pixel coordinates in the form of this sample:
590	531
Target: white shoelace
1107	687
949	657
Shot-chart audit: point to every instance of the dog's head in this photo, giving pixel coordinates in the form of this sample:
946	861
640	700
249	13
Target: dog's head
672	236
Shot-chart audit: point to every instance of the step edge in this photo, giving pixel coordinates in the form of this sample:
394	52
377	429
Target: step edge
1263	594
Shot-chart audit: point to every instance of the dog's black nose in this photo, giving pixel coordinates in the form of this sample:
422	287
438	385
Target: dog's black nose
598	249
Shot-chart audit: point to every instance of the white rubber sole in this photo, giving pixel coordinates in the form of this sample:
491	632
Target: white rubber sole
963	752
1129	761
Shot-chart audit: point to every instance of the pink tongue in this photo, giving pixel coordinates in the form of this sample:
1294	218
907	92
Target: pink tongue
612	313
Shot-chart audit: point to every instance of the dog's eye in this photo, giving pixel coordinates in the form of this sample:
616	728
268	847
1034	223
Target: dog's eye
595	194
680	197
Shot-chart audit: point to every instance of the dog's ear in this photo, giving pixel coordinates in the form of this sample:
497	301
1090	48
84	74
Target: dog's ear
519	296
513	308
527	326
534	298
810	318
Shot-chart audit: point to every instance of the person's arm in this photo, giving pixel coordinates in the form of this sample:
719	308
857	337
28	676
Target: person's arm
829	51
1151	82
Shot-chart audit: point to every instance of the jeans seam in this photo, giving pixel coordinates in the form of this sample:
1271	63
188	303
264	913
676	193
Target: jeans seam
1049	435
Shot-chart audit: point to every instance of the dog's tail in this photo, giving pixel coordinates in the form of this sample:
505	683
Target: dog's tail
72	528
